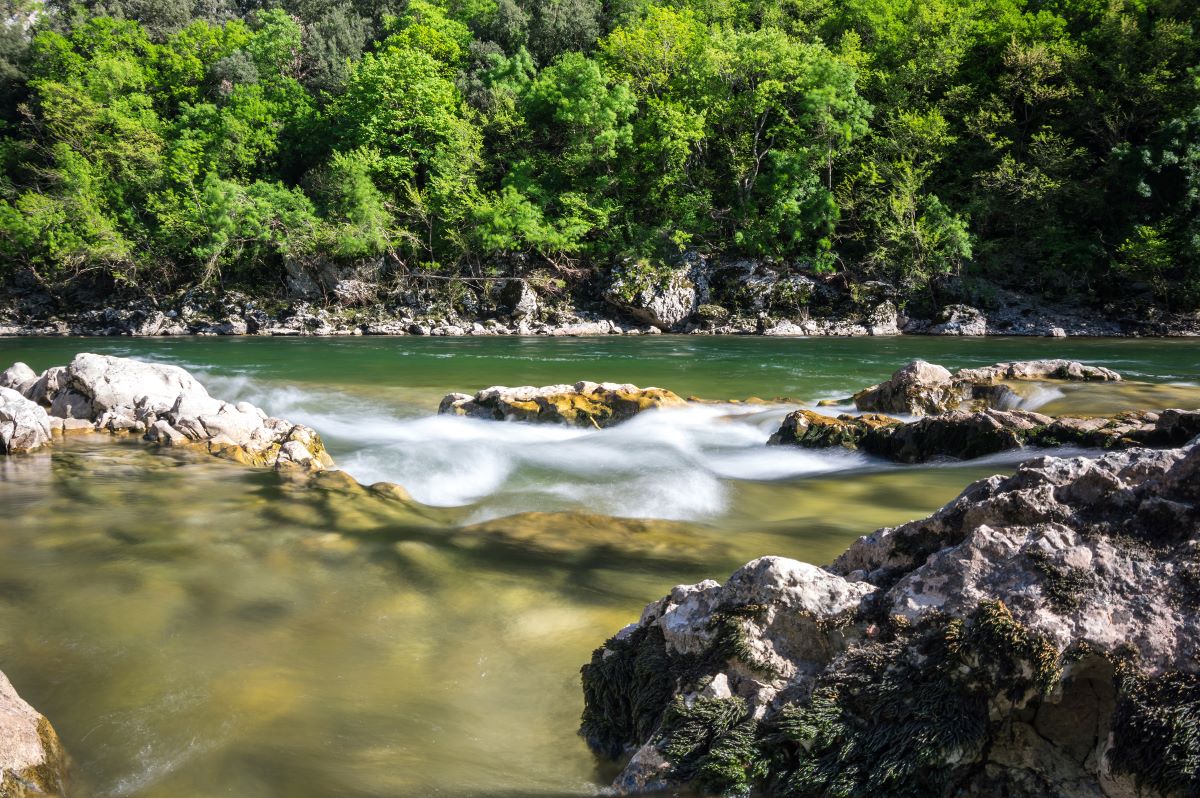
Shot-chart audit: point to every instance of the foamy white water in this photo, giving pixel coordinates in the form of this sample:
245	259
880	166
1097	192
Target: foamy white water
675	464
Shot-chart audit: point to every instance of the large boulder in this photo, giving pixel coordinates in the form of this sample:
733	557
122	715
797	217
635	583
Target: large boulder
922	388
665	298
170	407
959	320
519	299
24	425
1039	635
32	761
584	404
18	377
917	389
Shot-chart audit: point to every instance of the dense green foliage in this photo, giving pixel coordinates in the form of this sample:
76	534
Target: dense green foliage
1050	145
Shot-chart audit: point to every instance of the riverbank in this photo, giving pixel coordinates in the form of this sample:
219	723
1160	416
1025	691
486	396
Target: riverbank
745	301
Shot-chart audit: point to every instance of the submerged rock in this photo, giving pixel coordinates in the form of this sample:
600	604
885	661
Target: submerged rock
24	426
170	407
32	761
962	435
922	388
584	404
1037	636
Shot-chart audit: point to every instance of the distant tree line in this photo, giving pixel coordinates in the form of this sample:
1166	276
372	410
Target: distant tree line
1048	145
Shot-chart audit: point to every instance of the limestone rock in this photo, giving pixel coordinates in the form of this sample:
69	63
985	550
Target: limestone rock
1055	369
1036	636
519	299
916	389
32	761
664	300
960	320
922	388
584	404
812	430
172	408
19	377
24	426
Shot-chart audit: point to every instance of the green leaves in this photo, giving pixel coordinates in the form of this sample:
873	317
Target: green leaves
1050	148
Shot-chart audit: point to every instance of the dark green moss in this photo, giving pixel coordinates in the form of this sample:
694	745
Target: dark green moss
626	687
731	640
889	717
713	745
892	716
1156	730
1061	585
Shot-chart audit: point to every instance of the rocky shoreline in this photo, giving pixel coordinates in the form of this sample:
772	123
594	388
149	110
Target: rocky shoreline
738	298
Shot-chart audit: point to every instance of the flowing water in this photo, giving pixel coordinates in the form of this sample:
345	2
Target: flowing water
193	627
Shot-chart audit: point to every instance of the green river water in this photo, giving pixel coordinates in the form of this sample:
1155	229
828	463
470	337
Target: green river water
196	628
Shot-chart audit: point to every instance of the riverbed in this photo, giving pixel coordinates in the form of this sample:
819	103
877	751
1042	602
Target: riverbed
194	628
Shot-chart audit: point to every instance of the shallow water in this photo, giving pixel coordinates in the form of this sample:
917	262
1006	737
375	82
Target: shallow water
196	628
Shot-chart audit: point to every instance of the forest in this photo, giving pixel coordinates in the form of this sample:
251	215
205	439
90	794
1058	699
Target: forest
1048	146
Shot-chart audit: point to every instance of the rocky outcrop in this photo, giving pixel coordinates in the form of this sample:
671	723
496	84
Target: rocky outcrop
584	404
24	425
32	761
168	406
922	388
1055	369
1036	636
665	299
959	320
962	435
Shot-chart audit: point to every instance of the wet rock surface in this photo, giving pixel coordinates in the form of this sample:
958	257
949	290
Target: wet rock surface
164	404
32	761
1036	636
584	404
922	388
962	435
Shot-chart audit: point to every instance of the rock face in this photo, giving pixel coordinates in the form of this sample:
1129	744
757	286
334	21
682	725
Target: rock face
170	407
1036	636
584	404
961	435
960	320
665	301
922	388
24	426
32	761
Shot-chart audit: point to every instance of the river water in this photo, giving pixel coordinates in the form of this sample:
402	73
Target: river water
196	628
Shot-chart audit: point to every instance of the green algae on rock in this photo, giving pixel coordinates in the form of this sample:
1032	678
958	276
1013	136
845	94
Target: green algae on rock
962	435
584	404
936	658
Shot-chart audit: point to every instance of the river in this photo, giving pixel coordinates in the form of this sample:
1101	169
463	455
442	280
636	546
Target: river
194	628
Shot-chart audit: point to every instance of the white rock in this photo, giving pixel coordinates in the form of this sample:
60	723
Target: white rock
24	425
